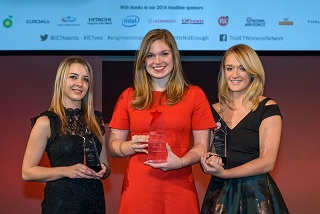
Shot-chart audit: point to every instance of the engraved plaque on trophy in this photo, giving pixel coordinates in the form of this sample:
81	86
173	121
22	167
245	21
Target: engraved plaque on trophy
157	151
91	155
218	144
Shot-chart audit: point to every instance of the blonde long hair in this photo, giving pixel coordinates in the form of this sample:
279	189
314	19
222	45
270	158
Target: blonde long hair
176	86
86	103
249	59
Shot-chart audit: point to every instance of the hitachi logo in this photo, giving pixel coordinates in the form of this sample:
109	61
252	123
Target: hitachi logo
99	19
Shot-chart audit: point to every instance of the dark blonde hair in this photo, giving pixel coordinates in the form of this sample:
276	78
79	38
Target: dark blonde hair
86	103
176	86
249	59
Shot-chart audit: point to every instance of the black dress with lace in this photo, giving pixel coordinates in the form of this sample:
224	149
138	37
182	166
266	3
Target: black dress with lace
253	194
71	195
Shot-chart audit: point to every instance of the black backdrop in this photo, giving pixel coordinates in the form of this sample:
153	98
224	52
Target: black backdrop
118	75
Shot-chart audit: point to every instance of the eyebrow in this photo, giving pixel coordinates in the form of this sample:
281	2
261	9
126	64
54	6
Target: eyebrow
233	66
78	74
160	51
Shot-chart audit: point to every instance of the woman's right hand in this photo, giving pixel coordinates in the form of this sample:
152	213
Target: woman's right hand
119	146
79	171
139	143
211	164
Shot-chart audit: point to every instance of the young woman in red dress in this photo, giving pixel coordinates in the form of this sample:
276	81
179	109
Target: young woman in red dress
160	88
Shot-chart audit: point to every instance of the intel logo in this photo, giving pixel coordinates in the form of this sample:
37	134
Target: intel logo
130	21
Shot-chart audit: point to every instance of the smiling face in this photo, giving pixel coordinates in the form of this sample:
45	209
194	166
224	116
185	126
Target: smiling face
159	61
76	86
238	79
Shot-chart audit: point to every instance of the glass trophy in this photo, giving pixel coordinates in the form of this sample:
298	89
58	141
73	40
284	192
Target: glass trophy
157	151
91	155
218	144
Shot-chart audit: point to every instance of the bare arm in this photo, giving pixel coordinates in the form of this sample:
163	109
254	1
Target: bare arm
31	171
119	146
201	142
104	159
269	135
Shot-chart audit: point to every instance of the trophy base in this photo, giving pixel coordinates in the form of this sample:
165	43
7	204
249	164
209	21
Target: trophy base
157	156
157	161
224	159
157	152
95	168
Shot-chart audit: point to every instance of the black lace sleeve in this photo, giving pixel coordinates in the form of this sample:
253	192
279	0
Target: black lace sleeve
54	123
99	117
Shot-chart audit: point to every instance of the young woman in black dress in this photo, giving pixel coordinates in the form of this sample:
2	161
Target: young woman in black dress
252	124
72	187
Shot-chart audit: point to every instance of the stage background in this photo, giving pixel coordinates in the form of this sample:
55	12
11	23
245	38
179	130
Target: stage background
292	81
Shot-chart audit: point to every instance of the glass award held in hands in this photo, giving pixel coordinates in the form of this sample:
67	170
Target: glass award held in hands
91	155
218	144
157	151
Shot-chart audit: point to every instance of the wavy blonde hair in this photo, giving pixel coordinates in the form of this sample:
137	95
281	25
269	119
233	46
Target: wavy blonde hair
249	59
86	103
177	84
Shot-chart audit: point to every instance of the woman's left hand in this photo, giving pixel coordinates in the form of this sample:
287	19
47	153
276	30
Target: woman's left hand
103	173
173	161
212	165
